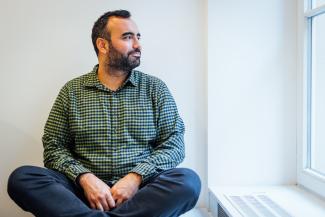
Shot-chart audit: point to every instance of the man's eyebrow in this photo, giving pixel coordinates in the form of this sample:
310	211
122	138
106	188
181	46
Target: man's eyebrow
130	33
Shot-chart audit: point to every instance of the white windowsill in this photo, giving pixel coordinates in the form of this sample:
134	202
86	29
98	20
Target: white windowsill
197	212
296	200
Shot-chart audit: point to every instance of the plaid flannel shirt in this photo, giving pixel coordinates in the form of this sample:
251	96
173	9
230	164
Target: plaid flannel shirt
136	128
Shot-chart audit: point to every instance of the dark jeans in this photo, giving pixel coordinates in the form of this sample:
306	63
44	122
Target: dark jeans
48	193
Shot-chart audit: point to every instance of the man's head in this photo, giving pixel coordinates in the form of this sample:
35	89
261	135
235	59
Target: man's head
115	39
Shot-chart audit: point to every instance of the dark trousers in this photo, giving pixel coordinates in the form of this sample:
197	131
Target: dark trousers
48	193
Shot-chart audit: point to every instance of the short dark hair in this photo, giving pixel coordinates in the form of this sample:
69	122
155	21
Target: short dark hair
99	29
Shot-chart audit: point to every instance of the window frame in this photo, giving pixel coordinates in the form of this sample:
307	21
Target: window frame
306	176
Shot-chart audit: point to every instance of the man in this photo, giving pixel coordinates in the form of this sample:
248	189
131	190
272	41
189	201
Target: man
112	140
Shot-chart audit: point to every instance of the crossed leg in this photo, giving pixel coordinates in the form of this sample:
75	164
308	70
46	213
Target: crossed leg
48	193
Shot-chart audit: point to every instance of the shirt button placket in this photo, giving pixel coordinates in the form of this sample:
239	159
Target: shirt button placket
114	114
114	126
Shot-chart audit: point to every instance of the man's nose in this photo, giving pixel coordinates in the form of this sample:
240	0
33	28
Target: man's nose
136	44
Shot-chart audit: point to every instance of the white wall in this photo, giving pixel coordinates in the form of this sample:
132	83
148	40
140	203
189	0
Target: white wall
251	92
46	43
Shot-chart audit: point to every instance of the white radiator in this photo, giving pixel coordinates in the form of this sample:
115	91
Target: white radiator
259	205
264	201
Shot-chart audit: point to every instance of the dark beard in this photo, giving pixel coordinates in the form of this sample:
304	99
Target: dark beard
118	61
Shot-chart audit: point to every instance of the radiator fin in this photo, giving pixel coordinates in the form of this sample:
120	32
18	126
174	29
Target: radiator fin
221	212
256	205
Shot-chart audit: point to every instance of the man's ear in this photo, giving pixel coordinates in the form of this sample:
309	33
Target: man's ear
102	45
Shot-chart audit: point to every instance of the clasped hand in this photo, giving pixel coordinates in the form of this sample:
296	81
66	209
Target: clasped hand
100	196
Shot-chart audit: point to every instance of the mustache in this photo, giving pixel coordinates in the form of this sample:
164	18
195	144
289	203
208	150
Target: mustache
137	50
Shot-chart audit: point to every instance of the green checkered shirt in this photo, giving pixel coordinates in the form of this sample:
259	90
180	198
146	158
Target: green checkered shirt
111	133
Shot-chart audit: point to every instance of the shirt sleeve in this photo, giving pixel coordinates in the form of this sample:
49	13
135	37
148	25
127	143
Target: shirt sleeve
169	149
57	140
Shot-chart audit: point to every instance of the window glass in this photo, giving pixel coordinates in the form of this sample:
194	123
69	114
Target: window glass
318	94
317	3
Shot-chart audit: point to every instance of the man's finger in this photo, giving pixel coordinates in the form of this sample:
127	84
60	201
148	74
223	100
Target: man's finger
110	201
92	205
99	206
119	202
104	204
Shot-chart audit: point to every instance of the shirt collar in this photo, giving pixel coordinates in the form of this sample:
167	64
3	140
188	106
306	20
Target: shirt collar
93	81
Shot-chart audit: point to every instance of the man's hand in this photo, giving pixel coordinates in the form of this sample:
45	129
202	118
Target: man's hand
97	192
126	187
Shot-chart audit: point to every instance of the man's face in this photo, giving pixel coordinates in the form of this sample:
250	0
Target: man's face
124	47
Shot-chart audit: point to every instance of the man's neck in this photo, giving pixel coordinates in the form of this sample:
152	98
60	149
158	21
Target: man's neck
111	78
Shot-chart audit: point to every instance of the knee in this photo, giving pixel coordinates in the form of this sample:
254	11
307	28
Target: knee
17	180
191	183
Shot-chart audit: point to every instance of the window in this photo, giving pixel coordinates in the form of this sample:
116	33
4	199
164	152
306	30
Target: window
311	135
317	96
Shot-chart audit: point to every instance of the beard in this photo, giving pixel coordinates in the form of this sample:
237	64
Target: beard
118	61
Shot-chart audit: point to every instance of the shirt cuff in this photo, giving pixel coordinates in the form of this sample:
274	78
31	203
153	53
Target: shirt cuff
73	172
145	170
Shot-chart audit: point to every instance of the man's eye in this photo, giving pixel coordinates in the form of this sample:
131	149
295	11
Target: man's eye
128	37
